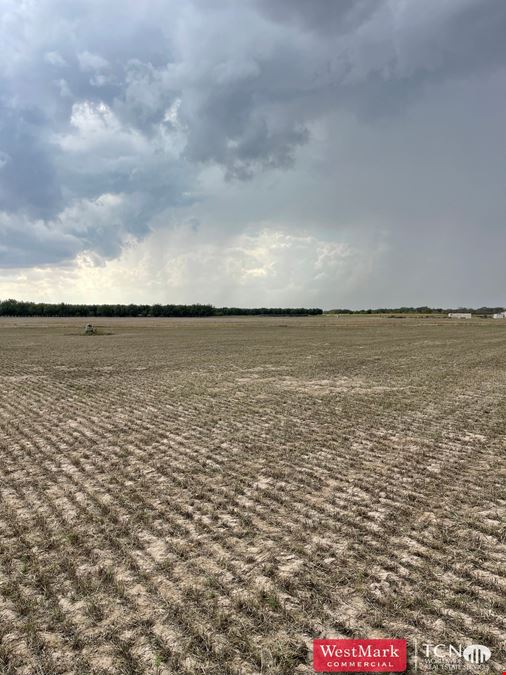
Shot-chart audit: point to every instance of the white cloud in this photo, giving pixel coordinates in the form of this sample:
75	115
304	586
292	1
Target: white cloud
262	267
55	59
89	62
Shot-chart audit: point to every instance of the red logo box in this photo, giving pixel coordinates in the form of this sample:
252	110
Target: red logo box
364	656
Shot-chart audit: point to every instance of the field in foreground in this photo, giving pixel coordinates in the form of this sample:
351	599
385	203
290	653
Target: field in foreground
208	496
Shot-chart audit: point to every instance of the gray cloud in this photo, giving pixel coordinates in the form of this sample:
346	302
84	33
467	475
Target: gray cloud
342	117
326	16
28	180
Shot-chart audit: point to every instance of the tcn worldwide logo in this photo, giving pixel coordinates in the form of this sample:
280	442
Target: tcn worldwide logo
353	656
450	656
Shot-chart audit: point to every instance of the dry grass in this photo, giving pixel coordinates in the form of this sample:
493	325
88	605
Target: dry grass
207	496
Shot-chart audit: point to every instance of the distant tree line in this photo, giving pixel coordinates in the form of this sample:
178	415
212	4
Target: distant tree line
418	310
274	311
63	309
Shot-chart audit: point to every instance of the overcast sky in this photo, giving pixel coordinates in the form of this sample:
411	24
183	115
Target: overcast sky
331	153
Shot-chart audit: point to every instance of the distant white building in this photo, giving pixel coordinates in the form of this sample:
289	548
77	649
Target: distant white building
500	315
460	315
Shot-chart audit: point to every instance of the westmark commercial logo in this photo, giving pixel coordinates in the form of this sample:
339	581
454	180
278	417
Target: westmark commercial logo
353	656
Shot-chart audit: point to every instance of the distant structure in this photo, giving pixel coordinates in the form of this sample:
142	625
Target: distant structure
460	315
89	329
500	315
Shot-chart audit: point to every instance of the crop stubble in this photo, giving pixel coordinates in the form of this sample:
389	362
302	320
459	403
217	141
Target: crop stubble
208	496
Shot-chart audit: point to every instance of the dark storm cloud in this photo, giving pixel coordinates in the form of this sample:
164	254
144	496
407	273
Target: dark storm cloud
28	179
109	111
26	242
325	16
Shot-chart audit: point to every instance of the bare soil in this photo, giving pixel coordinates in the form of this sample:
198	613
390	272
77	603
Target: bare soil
209	495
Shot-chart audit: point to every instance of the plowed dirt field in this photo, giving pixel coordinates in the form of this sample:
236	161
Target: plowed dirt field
209	495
